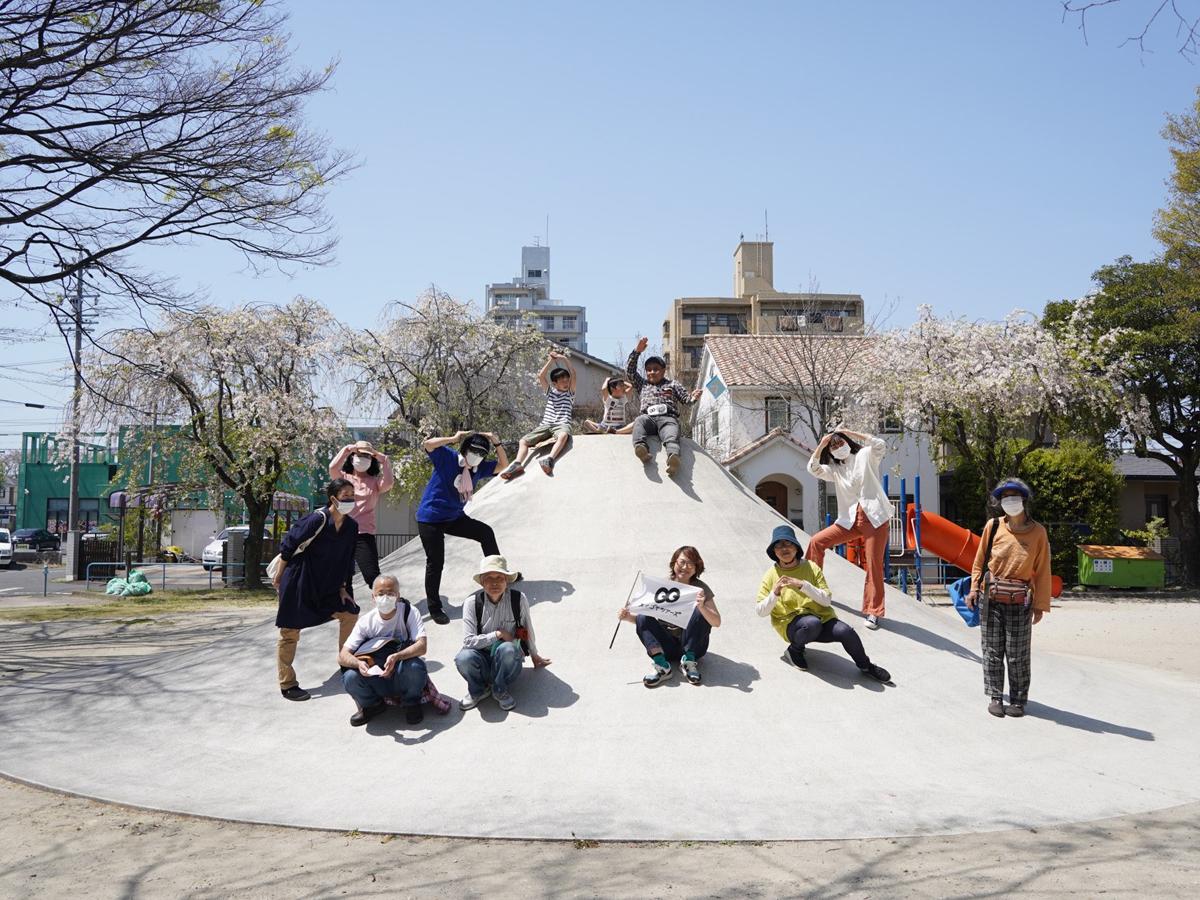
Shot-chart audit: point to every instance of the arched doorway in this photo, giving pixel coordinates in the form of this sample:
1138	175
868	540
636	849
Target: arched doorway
775	494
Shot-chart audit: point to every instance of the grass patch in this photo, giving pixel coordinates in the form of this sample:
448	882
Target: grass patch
159	602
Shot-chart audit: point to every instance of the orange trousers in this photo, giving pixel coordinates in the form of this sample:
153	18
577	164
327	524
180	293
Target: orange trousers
874	545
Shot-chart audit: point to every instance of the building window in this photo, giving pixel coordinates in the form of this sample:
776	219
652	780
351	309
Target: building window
533	273
694	355
546	323
889	423
714	424
570	323
58	508
778	414
699	323
1156	507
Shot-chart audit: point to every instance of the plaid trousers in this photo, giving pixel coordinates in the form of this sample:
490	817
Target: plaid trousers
1005	631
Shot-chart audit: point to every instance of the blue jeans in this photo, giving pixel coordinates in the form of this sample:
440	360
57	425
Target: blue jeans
656	636
484	668
406	682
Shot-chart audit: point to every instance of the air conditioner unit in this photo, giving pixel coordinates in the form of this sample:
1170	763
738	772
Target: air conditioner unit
792	323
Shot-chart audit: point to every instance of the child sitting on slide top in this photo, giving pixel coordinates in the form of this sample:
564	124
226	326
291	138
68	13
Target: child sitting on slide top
658	396
794	594
556	420
613	421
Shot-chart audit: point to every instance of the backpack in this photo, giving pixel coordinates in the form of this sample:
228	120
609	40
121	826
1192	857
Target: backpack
514	598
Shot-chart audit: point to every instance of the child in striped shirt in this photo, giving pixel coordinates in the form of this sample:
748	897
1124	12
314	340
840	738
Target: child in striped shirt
556	420
613	421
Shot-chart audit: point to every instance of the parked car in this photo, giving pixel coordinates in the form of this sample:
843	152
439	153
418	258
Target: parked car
214	551
6	548
29	542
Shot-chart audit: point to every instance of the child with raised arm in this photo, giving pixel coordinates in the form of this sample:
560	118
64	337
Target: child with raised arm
658	397
613	420
556	420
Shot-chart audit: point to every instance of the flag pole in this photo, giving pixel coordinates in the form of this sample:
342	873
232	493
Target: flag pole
627	596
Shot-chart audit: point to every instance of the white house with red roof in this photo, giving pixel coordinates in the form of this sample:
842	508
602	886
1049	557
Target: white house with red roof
752	417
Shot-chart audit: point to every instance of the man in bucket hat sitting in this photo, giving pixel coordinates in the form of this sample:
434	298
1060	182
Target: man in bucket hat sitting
497	634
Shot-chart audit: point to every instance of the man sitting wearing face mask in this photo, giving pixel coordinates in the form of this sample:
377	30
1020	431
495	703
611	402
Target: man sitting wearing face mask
382	656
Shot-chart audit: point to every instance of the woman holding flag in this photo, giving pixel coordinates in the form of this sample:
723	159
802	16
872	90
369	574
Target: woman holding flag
668	643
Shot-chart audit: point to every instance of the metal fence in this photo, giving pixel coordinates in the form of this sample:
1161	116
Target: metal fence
390	543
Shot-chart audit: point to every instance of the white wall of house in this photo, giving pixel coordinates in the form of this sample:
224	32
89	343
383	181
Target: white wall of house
724	425
191	529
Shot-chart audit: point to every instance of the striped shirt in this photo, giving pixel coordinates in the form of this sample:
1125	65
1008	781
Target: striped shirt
614	411
559	405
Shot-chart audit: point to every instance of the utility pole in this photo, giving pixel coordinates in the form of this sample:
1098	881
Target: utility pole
77	314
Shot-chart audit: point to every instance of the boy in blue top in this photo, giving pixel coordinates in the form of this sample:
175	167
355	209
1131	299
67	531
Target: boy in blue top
556	420
455	475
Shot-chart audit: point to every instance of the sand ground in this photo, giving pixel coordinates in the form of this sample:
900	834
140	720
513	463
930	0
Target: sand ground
52	844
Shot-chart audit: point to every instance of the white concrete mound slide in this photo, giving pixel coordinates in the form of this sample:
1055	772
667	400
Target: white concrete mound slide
759	751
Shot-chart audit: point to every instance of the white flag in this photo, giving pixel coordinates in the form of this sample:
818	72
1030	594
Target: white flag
669	601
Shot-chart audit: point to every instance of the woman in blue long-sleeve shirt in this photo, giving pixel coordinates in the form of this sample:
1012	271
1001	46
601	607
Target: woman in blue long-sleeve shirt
314	584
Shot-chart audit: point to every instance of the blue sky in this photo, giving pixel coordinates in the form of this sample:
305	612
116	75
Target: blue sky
977	157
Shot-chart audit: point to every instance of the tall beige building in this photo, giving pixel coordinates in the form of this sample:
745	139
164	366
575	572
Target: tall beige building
755	308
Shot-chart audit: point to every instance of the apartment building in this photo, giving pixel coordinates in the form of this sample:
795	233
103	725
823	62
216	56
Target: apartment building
526	300
755	308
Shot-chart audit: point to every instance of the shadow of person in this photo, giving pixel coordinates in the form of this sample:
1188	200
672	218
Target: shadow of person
915	633
537	692
390	723
720	671
834	669
683	478
1084	723
545	590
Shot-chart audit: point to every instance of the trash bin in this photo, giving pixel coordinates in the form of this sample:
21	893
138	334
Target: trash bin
1121	567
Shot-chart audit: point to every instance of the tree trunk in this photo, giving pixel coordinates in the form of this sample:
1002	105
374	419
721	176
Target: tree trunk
1189	521
256	516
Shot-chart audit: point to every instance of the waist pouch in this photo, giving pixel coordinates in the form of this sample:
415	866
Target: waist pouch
1010	591
657	409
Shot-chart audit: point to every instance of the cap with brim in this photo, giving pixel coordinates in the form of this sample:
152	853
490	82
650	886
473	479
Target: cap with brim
494	564
476	442
364	447
1011	486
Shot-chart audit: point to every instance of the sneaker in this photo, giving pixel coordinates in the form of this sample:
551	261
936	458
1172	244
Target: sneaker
471	701
1016	710
514	469
672	463
658	676
691	668
414	715
879	673
642	452
872	622
796	658
505	700
547	464
365	715
996	707
610	429
295	692
439	616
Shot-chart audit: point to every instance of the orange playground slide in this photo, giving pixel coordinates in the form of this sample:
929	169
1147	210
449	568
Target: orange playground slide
954	544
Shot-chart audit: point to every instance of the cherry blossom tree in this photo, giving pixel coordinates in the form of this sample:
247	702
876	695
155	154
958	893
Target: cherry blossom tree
245	387
435	366
990	391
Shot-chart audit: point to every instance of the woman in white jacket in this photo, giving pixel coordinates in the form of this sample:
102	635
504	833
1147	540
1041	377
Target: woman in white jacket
851	460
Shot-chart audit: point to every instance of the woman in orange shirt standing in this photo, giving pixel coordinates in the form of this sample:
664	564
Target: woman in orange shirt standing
1011	581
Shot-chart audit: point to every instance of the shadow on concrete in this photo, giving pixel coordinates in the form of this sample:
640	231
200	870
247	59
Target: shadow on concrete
537	691
834	669
545	590
916	633
390	723
1084	723
720	671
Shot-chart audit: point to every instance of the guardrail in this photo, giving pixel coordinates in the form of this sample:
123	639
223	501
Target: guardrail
160	570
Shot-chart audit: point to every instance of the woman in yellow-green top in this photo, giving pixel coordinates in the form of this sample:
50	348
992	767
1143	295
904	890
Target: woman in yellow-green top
794	594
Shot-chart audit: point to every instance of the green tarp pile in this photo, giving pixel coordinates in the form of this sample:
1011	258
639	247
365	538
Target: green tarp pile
135	585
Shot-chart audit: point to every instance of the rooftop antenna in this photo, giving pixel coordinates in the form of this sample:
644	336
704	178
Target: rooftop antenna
766	227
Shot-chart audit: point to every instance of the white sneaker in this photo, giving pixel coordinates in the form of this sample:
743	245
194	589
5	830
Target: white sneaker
506	701
470	702
873	622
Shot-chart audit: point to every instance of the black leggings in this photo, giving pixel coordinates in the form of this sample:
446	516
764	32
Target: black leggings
809	630
433	539
366	554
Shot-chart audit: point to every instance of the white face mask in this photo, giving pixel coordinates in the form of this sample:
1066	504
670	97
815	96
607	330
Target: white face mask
840	452
1012	506
345	507
361	463
386	603
473	459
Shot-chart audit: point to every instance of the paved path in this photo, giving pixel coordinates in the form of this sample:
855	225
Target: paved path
760	751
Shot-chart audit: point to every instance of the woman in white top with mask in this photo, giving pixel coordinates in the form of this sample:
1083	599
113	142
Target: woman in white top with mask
851	460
